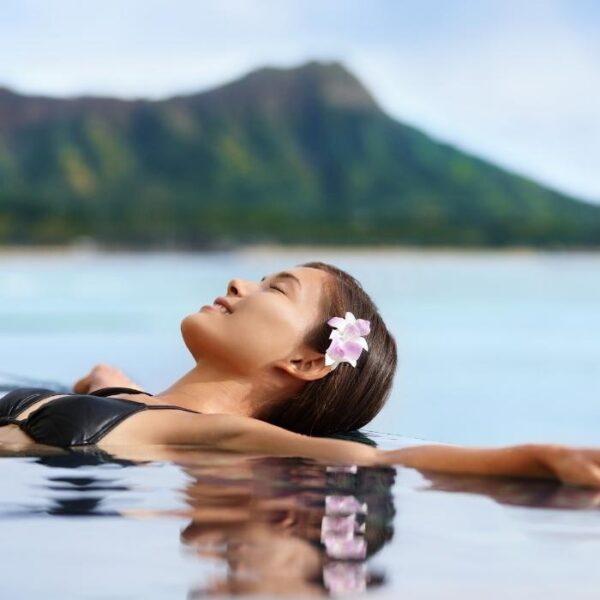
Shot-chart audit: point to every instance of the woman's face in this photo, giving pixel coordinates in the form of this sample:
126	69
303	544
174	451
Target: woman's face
268	321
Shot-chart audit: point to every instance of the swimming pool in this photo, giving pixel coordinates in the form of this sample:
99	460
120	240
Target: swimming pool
495	349
181	523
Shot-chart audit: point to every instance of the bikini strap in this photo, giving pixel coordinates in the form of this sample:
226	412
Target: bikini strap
171	406
109	391
116	390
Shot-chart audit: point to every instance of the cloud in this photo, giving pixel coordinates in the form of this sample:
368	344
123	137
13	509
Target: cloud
521	91
514	81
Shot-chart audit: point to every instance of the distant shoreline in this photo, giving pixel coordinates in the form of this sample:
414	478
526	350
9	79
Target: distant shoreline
258	249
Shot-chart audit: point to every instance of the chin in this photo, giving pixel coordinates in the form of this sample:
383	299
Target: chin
191	332
203	336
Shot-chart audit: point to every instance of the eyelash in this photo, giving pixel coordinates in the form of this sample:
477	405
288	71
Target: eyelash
276	288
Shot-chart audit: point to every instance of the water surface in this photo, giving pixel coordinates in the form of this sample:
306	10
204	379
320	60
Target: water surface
190	524
494	348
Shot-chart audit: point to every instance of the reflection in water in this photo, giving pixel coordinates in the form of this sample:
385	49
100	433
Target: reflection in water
288	526
518	492
275	525
272	525
82	496
70	495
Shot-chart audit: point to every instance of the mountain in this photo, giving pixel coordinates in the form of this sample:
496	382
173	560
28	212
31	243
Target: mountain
287	155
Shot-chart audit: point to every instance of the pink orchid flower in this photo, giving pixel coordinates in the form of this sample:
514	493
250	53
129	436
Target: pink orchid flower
347	342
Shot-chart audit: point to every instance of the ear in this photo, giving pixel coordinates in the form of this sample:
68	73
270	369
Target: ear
289	521
307	365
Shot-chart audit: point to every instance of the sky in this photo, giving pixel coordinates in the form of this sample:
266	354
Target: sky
514	81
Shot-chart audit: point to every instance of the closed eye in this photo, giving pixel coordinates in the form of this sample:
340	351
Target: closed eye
276	288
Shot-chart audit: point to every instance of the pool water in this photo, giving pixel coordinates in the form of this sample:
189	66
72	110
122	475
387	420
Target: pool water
182	523
494	349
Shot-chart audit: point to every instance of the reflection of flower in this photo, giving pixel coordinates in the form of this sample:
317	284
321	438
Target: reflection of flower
347	342
340	528
345	543
344	504
342	469
341	549
345	578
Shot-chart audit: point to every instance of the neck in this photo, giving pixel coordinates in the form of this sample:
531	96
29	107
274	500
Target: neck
207	389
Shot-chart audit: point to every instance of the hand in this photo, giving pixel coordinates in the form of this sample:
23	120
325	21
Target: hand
571	465
103	375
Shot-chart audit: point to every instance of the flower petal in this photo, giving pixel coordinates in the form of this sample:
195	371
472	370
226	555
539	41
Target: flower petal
337	322
362	342
351	350
351	331
335	335
336	350
364	326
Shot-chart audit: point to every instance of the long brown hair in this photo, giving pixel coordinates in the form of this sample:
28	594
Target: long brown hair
348	397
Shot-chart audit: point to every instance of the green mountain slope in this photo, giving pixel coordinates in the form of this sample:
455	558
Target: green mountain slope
297	155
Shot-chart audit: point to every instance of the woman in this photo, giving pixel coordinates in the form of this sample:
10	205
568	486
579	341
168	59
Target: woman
272	365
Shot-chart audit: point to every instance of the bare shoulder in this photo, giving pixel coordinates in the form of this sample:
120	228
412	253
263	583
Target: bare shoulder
177	427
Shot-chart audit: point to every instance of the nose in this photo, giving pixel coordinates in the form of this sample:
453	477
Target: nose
239	287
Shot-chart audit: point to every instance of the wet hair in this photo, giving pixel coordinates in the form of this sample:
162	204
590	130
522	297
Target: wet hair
348	397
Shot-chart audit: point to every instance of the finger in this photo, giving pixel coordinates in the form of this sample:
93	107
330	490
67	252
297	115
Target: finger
82	385
578	470
591	453
104	370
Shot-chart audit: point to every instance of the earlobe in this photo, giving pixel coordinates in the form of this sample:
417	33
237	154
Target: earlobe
307	369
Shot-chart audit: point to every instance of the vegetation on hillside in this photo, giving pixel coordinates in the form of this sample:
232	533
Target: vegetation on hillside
302	155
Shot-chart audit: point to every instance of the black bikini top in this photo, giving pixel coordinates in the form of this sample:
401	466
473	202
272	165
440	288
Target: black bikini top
74	419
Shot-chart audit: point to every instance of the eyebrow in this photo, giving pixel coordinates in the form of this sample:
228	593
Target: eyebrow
284	275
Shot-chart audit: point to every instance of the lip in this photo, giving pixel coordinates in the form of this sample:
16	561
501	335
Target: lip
223	302
210	307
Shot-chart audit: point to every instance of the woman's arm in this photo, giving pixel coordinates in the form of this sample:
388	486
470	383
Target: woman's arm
579	466
232	433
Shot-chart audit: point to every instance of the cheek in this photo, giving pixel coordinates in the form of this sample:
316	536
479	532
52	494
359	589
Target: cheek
243	341
262	335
